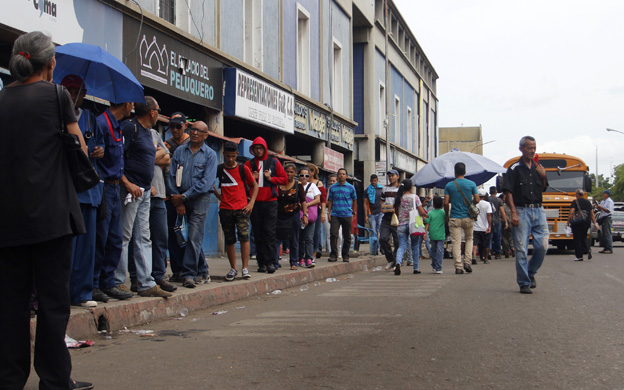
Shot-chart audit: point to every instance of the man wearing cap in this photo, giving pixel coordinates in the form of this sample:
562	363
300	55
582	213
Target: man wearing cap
81	282
386	230
177	126
372	209
606	209
482	231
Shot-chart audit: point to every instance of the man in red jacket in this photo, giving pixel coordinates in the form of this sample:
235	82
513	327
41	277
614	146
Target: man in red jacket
269	173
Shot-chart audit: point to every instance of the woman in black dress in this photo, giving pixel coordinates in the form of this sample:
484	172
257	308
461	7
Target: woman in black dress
579	229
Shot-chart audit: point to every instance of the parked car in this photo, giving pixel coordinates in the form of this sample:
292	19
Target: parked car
617	228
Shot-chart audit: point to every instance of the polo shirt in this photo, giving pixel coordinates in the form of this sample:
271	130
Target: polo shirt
342	197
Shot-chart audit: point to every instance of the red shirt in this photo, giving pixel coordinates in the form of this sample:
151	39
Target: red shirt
233	195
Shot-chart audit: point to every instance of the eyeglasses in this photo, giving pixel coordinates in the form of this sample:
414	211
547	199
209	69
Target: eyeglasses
303	175
157	110
196	130
257	147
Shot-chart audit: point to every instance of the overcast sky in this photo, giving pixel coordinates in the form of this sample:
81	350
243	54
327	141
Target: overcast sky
552	69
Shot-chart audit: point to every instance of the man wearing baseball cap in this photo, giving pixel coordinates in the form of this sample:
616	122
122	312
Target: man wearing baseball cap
606	209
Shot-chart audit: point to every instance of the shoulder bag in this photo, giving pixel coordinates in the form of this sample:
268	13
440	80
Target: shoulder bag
312	210
579	216
416	223
473	210
82	172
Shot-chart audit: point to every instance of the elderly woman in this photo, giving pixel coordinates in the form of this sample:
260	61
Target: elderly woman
580	227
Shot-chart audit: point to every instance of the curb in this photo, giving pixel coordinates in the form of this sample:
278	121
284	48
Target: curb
112	316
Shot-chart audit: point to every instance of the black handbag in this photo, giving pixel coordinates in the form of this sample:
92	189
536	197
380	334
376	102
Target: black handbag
579	216
82	172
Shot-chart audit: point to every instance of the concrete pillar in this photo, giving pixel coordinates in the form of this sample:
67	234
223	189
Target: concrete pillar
277	143
317	153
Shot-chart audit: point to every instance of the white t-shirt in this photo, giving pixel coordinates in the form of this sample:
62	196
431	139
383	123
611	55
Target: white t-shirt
313	191
485	208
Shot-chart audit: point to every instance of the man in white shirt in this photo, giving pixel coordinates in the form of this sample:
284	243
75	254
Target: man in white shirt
482	231
606	209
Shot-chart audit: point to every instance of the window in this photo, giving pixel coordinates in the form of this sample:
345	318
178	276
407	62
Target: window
397	120
253	33
303	50
382	110
337	87
410	130
166	10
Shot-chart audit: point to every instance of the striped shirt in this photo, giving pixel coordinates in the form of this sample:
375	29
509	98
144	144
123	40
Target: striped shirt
341	197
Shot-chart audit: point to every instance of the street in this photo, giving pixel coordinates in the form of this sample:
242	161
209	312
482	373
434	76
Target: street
375	330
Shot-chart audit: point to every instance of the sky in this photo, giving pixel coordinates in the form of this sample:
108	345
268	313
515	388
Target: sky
552	69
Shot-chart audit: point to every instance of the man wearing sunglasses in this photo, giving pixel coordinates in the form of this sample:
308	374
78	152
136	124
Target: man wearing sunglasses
192	175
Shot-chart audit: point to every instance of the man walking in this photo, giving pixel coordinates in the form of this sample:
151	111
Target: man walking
523	185
341	207
606	209
192	175
388	232
499	221
457	194
372	209
482	230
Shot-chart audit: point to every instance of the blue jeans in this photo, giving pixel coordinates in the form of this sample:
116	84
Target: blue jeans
428	243
306	242
159	235
135	227
81	282
374	221
497	236
108	240
415	241
193	260
437	254
531	221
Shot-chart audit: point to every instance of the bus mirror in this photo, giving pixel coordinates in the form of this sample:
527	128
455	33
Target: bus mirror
588	183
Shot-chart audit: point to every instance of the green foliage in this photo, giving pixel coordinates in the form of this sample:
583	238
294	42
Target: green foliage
617	189
604	184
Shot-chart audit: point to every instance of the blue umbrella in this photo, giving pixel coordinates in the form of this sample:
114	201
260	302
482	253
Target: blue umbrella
441	169
105	76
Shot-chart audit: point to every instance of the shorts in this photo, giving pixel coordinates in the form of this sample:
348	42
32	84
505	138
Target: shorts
481	239
233	221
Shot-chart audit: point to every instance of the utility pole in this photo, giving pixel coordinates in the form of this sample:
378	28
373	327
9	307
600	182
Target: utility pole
596	166
387	119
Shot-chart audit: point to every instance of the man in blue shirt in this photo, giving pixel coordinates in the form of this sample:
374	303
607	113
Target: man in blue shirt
191	177
458	218
108	240
341	208
139	157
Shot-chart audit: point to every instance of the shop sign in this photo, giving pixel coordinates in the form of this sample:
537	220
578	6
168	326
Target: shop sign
65	21
404	162
341	134
380	170
251	98
332	160
311	122
168	65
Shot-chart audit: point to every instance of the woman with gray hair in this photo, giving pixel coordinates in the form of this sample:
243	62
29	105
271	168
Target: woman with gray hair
41	215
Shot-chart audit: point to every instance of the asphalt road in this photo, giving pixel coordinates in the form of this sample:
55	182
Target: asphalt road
374	330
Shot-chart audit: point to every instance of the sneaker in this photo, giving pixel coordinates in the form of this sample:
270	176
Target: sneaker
117	293
155	291
390	265
525	290
467	268
166	285
397	269
417	271
231	275
533	283
99	296
74	385
438	272
85	304
246	274
252	257
293	267
189	283
459	271
310	263
302	263
581	259
125	288
202	279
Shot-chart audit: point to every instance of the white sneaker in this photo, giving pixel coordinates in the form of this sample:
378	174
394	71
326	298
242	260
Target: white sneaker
246	274
87	304
438	272
231	275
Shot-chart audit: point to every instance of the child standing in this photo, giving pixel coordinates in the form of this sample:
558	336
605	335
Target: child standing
234	209
435	228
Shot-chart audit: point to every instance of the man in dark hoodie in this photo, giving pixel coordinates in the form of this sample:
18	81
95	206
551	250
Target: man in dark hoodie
269	173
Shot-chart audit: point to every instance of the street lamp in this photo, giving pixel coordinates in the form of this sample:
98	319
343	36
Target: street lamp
484	143
617	131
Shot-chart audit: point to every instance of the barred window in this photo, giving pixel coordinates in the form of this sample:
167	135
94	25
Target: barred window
166	10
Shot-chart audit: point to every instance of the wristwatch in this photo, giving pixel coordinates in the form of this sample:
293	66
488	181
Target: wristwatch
305	214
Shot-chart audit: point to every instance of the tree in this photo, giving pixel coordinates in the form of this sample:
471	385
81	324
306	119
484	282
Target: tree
617	189
604	184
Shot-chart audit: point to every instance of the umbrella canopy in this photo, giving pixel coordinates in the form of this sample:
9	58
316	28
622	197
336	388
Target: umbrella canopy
441	169
105	76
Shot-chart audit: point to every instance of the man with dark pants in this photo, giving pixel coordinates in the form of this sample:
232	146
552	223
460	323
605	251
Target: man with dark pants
499	221
372	209
109	241
523	185
606	209
386	230
269	173
341	208
192	175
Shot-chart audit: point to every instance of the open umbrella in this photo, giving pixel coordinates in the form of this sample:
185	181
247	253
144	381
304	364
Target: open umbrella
105	76
441	169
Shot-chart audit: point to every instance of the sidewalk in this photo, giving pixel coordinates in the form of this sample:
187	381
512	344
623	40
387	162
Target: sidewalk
136	311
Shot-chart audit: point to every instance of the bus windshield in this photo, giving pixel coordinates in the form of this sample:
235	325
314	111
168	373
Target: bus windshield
568	181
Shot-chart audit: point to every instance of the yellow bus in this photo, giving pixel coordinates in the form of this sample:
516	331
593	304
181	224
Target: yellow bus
565	175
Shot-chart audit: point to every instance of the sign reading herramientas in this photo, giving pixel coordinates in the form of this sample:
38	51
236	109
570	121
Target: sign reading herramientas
168	65
253	99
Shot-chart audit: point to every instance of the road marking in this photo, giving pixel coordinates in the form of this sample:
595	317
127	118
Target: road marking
386	285
615	278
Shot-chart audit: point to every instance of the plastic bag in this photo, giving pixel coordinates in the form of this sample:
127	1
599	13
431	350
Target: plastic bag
181	230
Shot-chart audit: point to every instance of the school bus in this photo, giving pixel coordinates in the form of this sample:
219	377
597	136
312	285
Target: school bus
565	175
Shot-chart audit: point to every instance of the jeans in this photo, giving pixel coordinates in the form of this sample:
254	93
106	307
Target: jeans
606	238
159	236
437	254
415	243
193	260
374	221
135	227
456	225
336	224
387	232
497	235
428	244
531	221
81	282
306	242
295	221
108	240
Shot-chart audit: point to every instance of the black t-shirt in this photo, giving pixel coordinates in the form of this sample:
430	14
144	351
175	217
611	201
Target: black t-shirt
141	154
585	205
38	200
375	208
496	203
